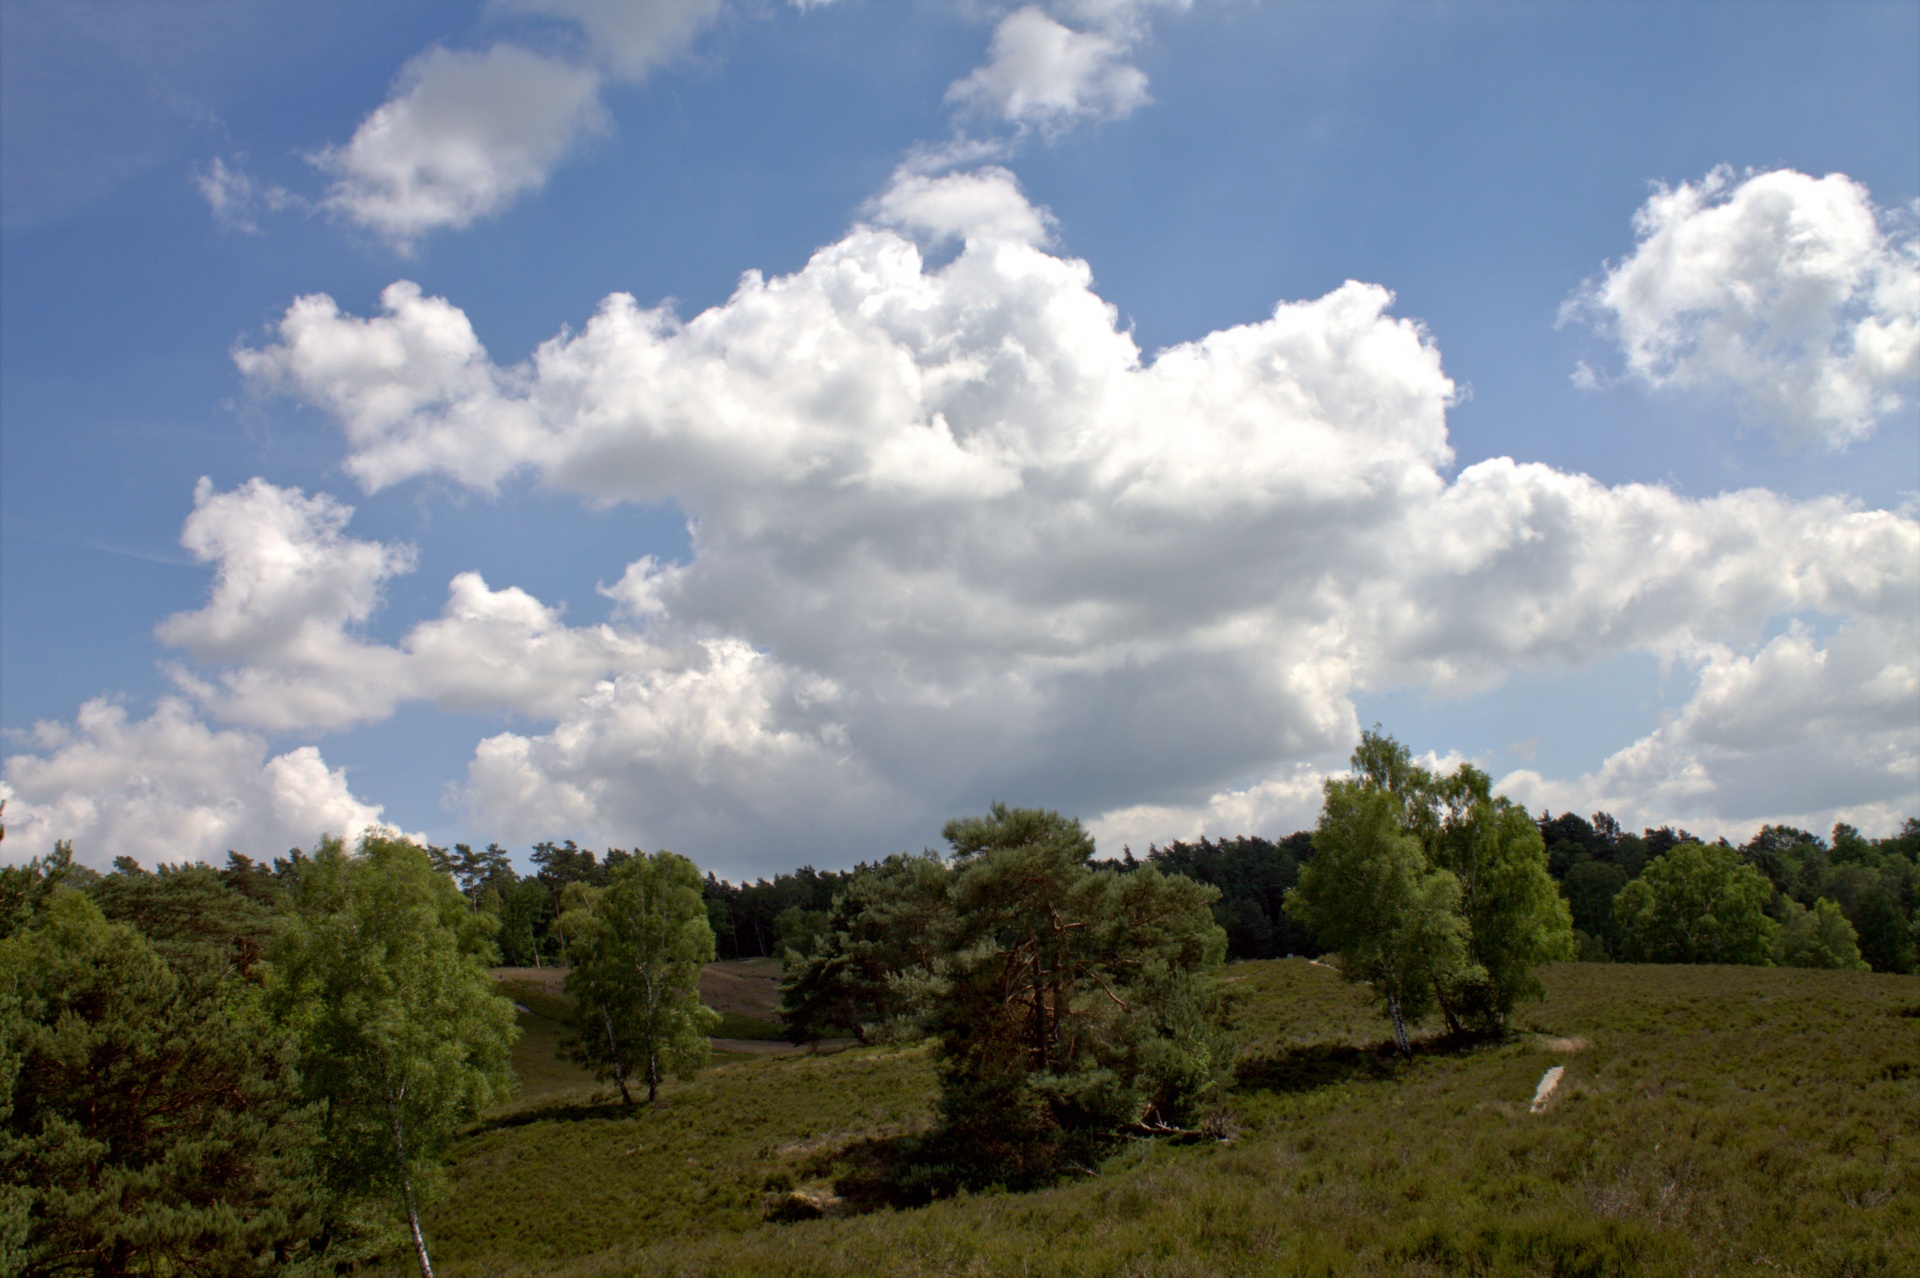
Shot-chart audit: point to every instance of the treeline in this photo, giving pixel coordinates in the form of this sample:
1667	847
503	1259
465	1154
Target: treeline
1800	900
1786	896
1870	885
749	920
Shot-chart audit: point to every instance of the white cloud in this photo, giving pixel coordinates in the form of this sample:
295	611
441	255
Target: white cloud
292	591
956	538
722	752
630	37
1043	74
1789	293
168	788
985	203
464	134
1798	732
1276	806
235	198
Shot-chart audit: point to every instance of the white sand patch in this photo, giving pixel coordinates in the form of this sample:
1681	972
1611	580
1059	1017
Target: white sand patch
1544	1093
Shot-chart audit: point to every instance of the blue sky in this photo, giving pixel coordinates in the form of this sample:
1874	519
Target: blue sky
962	533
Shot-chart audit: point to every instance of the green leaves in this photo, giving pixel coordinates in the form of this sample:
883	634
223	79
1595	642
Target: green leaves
1071	1002
381	975
638	945
152	1121
1820	937
1696	904
1431	889
871	967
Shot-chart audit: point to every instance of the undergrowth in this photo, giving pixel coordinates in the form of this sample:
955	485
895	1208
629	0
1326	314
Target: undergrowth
1709	1120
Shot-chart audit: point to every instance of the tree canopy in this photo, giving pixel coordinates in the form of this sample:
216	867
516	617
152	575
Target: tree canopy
1696	904
1431	889
381	975
638	945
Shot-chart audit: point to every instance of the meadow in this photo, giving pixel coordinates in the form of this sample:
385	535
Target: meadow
1707	1120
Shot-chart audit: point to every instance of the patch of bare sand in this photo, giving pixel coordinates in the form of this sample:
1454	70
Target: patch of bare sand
1549	1083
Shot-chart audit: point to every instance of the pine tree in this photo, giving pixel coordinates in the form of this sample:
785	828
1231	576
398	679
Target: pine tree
150	1120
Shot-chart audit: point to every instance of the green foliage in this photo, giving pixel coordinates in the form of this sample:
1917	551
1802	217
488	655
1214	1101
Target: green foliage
1516	918
799	930
1696	904
1875	884
638	945
26	889
1369	894
521	906
381	977
1432	890
872	963
187	911
1254	876
1590	887
152	1122
1071	1002
1820	937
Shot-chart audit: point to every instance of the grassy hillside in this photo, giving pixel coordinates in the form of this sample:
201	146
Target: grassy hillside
1709	1120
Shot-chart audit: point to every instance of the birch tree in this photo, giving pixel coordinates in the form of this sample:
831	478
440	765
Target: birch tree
382	977
637	946
1370	896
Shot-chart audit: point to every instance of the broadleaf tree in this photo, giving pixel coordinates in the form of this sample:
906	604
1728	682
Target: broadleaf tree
1432	889
1370	896
1696	904
1820	937
381	974
637	947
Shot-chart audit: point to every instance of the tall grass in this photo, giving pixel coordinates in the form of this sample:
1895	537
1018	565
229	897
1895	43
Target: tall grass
1709	1120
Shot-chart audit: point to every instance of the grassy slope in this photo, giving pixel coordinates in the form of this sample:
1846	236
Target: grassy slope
1717	1120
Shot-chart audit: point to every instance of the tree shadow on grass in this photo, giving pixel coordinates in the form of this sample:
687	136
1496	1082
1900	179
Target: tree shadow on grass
1306	1067
558	1112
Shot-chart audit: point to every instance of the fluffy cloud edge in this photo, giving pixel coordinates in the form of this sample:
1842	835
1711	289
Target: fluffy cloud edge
168	788
1795	297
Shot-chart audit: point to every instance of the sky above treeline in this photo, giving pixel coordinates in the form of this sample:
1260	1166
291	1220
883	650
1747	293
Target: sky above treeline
768	428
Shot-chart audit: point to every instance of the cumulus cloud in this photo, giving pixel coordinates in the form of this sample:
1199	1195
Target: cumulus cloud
169	788
717	754
1043	74
1792	294
466	133
1799	731
463	134
956	537
292	591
